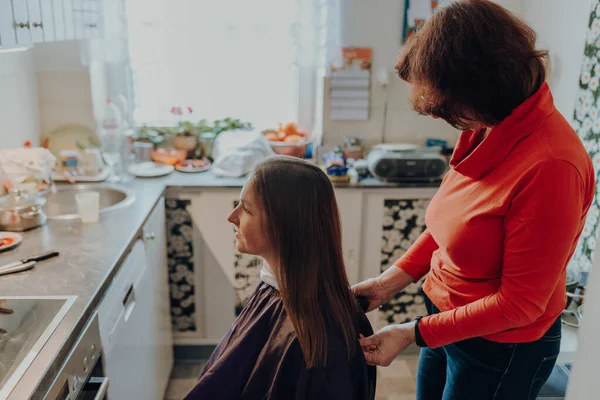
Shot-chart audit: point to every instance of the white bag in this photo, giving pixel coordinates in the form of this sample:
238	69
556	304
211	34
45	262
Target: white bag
236	153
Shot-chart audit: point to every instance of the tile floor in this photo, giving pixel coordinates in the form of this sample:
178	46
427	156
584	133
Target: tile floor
396	382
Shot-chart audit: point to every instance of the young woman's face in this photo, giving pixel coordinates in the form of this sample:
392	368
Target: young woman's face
250	220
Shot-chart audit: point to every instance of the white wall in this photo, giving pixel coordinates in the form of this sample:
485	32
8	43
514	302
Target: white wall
64	86
378	24
19	112
561	27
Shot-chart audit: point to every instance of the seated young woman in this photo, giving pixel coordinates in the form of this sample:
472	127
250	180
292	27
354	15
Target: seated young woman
297	336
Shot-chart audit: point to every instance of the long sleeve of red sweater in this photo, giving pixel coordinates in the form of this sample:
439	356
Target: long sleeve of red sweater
417	260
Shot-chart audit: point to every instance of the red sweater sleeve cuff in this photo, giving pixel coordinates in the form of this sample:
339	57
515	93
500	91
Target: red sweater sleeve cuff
428	335
415	271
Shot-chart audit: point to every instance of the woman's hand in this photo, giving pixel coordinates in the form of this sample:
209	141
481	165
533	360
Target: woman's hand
381	289
384	346
373	290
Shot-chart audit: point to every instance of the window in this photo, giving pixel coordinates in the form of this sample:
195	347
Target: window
256	60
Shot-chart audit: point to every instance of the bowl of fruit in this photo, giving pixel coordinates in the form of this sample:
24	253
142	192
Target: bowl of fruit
288	140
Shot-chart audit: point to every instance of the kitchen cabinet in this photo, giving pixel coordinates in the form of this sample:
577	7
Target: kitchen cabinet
21	22
58	19
394	220
24	22
350	203
36	26
154	236
134	319
69	19
47	14
7	24
125	318
215	263
378	225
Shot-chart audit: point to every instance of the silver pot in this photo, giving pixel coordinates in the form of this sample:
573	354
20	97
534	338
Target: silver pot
21	212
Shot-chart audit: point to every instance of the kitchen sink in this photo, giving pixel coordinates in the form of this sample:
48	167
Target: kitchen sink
62	204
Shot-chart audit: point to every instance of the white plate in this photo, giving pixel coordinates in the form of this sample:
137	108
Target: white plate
150	169
191	169
18	238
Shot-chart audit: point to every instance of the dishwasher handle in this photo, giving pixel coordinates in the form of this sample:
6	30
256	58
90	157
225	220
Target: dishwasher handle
96	387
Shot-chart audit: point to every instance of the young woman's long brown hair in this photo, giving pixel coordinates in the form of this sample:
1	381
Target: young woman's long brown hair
304	226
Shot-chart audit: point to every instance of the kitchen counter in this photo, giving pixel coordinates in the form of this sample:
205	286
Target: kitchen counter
90	255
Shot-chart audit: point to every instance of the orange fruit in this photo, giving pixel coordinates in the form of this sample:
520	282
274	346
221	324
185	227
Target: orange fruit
302	132
272	136
281	135
293	138
290	128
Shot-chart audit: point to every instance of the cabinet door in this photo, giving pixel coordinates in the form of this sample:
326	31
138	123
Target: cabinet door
90	21
392	222
36	26
225	275
7	24
69	19
47	9
78	16
22	25
154	233
58	12
350	206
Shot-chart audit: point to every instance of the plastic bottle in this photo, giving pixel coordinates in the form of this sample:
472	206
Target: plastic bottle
112	137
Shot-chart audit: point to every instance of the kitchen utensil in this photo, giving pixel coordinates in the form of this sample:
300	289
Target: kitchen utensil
88	206
9	240
26	263
193	165
150	169
17	268
68	176
168	156
21	212
290	149
572	282
92	161
143	151
570	315
69	158
73	137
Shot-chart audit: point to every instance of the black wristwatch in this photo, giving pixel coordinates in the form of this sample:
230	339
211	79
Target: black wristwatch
419	339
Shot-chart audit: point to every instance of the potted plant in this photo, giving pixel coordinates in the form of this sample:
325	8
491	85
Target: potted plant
185	137
148	134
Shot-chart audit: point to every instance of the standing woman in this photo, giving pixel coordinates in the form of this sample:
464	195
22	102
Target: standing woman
505	220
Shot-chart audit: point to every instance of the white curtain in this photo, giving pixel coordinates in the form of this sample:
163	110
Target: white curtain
257	60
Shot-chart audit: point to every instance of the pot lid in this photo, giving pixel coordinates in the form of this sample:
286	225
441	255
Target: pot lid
18	201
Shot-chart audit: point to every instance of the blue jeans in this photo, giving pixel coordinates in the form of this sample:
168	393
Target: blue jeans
479	369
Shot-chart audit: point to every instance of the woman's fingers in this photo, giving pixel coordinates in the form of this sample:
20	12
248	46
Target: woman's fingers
369	341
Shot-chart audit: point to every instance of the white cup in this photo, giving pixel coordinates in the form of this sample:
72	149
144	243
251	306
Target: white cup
88	206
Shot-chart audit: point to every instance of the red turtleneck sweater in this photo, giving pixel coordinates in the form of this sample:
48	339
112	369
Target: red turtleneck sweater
502	228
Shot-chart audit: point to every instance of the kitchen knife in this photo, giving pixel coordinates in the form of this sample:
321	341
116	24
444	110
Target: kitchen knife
37	257
17	268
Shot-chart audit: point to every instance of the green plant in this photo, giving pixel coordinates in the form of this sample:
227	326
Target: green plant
203	128
229	124
149	134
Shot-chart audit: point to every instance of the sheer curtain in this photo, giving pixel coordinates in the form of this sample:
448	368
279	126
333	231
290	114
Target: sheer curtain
257	60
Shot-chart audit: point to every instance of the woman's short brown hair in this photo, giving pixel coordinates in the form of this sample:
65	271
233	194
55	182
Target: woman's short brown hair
477	61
